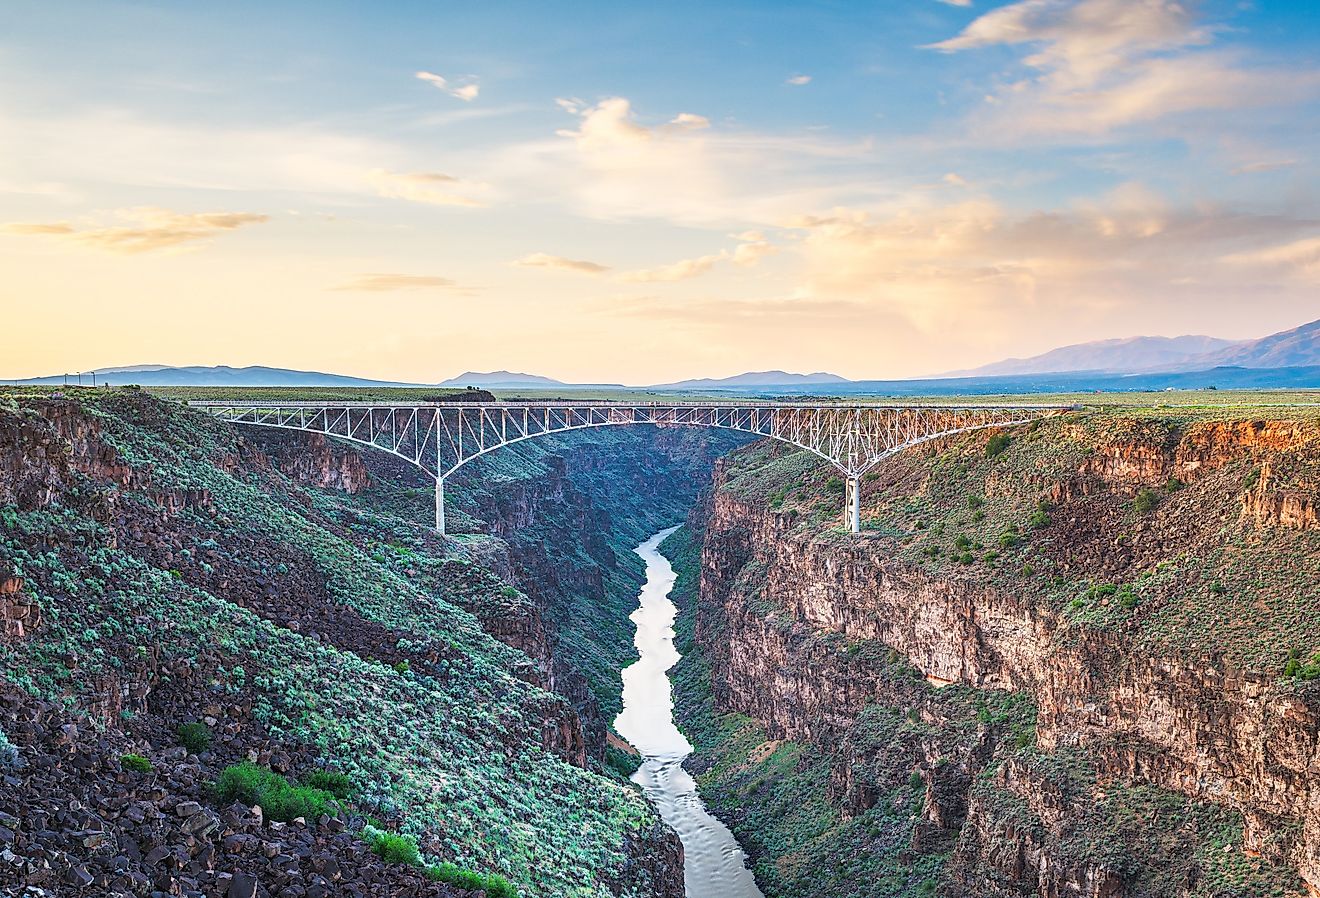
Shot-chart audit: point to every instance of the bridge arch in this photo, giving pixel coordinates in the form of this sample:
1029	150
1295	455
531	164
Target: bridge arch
440	438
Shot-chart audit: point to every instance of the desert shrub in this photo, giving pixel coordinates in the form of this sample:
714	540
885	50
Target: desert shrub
961	543
10	759
253	785
1145	502
622	763
974	502
1127	597
494	885
1252	478
499	887
834	485
394	848
337	784
966	558
997	444
402	667
1173	485
196	737
135	763
1039	520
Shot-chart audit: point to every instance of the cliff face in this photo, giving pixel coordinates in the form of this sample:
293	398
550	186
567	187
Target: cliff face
157	568
1165	677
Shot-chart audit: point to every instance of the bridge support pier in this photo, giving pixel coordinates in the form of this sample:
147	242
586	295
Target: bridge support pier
853	504
440	505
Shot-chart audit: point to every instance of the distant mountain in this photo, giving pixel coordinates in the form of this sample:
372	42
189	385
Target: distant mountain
216	376
1294	348
504	379
756	379
1113	356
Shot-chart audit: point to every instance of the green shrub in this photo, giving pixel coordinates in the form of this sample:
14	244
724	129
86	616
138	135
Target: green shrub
621	762
975	502
135	763
1127	598
499	887
961	543
337	784
253	785
1173	485
834	485
394	848
1145	502
403	666
997	444
1039	519
494	885
1252	478
196	737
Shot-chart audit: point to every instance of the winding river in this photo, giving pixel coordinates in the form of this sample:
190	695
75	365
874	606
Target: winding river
714	866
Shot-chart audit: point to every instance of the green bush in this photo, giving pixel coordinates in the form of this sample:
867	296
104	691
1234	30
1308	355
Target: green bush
402	667
135	763
337	784
1039	520
834	485
196	737
975	502
1145	502
253	785
494	885
394	848
997	444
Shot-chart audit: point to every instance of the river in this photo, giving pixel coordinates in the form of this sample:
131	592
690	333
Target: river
714	866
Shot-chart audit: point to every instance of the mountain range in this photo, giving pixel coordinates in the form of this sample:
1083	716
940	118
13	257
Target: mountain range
1289	358
1135	355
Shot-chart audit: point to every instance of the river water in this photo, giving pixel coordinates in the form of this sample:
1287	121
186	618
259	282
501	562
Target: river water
714	866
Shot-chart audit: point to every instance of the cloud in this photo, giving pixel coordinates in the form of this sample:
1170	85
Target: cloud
1264	166
678	271
975	271
963	3
383	283
465	90
1095	66
559	263
423	187
613	164
798	80
1298	256
751	249
146	229
953	179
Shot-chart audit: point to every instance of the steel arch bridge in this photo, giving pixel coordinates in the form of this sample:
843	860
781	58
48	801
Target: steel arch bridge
441	437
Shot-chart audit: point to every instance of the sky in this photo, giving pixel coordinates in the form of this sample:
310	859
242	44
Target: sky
616	194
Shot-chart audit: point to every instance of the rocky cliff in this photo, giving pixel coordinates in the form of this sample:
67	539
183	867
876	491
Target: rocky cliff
1146	583
160	569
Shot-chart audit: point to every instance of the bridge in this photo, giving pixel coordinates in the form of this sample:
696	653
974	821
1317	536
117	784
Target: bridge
441	437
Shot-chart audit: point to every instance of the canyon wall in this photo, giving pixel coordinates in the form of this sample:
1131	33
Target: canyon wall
1145	671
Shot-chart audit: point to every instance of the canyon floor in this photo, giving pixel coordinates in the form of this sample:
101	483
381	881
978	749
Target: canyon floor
1076	658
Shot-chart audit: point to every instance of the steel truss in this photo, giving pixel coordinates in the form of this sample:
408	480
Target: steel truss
440	438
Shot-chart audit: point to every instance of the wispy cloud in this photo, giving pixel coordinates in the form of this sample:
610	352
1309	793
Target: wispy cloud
146	229
559	263
678	271
1096	66
384	283
798	80
433	188
465	89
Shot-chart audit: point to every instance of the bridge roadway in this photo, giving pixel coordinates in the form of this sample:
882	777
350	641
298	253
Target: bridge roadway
440	437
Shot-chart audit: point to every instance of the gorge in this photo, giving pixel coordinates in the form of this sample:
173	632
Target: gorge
1072	658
